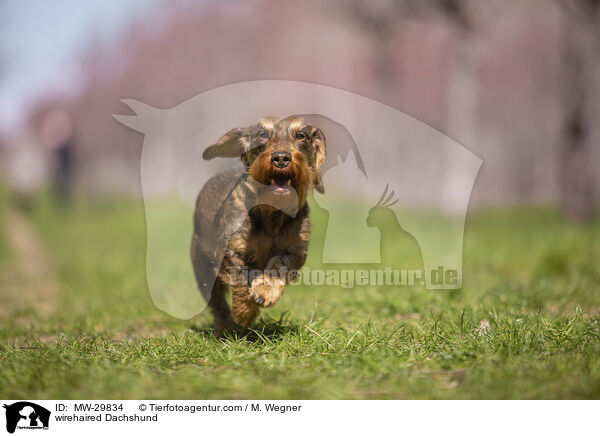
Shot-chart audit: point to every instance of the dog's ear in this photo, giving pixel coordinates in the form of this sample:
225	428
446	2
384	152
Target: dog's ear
320	147
231	144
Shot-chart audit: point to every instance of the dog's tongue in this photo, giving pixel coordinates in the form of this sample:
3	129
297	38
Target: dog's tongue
281	182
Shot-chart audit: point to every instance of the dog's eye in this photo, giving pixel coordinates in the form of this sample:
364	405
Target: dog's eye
263	135
300	136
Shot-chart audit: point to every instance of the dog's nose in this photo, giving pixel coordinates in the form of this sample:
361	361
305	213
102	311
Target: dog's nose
281	159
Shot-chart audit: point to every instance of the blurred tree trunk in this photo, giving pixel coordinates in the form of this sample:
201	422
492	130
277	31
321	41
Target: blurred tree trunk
581	35
381	18
378	19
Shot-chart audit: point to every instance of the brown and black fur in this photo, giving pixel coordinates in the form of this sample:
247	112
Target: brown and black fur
256	218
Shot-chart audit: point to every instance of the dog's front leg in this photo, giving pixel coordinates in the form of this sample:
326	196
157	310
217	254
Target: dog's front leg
268	287
244	309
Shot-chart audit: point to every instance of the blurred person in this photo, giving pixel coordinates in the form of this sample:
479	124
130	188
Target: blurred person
56	133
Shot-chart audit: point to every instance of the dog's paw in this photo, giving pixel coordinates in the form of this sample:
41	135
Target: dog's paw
266	291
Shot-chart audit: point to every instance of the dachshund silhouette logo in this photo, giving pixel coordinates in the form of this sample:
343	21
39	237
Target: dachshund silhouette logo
26	415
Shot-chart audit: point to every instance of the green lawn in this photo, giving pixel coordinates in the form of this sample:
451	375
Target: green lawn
534	277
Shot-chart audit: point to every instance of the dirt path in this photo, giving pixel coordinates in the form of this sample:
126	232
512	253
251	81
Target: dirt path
28	281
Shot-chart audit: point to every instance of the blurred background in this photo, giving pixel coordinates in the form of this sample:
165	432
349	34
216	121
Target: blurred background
515	82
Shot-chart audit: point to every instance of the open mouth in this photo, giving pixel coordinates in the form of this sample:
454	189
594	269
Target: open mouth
281	182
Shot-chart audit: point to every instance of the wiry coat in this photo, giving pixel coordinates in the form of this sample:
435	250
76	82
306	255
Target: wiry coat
251	226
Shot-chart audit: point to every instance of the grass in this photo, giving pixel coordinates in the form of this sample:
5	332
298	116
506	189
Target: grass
532	276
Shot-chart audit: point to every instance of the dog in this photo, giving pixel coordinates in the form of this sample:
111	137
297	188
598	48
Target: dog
252	225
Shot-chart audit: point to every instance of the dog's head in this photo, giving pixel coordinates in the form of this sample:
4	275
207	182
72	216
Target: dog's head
281	154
